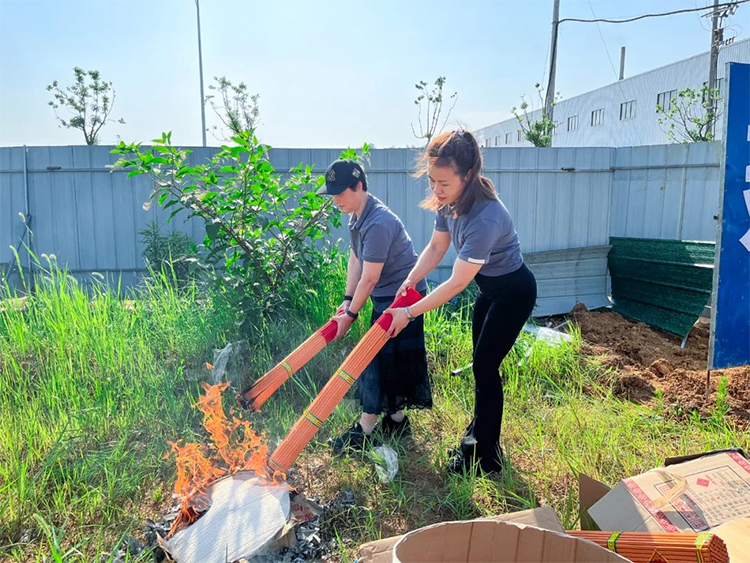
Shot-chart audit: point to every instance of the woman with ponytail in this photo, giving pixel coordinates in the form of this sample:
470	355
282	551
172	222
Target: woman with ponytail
469	214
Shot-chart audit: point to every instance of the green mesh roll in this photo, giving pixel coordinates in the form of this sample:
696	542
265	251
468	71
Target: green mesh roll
663	283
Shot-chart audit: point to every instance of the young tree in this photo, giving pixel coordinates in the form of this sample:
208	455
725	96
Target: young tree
430	103
689	117
89	103
538	131
264	228
236	108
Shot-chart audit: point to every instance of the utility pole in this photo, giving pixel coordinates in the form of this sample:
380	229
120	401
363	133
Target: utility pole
549	98
717	38
714	60
622	63
200	68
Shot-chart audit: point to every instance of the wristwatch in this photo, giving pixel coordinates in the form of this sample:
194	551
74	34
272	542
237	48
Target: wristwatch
352	314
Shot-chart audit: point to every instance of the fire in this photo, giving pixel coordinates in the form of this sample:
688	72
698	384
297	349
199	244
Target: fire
235	447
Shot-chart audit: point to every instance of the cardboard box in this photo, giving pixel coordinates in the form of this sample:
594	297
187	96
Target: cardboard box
693	496
480	541
545	518
697	493
736	535
303	510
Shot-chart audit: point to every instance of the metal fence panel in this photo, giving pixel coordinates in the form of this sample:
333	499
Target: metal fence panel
666	191
561	198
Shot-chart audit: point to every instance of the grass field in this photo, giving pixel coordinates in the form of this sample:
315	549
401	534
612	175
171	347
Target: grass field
93	388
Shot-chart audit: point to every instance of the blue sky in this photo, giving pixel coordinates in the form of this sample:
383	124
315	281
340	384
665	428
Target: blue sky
330	73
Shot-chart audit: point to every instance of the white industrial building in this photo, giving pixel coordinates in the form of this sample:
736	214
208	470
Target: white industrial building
622	113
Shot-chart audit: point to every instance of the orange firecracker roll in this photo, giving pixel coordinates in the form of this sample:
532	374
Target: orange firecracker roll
253	397
661	547
322	407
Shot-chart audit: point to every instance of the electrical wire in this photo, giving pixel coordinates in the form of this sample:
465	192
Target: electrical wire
606	50
657	15
612	64
700	19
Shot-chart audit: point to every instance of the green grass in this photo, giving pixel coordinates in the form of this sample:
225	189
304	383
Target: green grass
93	388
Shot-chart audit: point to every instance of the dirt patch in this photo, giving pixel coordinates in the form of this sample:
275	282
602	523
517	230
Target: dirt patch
634	388
645	360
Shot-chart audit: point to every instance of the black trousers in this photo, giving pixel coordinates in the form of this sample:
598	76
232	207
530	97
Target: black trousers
503	306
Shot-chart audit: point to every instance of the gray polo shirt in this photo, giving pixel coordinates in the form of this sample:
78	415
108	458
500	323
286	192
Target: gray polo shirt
485	235
379	236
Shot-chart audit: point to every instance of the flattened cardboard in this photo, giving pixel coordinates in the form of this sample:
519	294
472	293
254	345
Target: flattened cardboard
303	509
592	491
287	537
707	491
239	502
480	541
736	536
381	551
690	457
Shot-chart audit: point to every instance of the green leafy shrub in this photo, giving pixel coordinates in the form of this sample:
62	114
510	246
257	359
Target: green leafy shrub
264	228
173	253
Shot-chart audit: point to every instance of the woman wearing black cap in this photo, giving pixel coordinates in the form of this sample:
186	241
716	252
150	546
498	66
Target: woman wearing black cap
381	257
469	214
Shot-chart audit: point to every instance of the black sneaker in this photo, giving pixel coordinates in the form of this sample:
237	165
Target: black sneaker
463	460
389	428
353	439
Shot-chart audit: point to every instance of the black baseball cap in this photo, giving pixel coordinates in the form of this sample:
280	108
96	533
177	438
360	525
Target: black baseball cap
342	174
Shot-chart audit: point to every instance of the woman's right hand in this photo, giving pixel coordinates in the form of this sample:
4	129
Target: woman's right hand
343	323
405	286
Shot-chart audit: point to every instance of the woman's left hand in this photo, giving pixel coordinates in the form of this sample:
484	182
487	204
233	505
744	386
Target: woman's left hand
399	322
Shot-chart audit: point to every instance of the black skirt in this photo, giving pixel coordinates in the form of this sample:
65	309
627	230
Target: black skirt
397	378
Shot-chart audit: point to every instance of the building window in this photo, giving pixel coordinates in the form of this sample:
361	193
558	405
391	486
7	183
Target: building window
572	123
497	141
627	110
508	138
597	117
719	87
488	142
520	135
664	100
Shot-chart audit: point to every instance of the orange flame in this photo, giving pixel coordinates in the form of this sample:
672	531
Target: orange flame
236	447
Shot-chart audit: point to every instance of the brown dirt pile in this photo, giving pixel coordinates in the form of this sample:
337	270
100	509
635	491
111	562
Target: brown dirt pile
645	359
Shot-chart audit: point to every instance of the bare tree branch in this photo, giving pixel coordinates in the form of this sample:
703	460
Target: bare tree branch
89	105
433	101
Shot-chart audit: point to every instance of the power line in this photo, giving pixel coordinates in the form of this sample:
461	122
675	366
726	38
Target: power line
606	50
700	19
644	16
612	64
544	74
